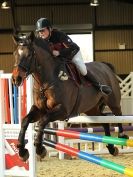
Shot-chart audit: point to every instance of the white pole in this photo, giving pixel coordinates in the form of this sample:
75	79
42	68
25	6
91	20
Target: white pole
52	137
61	139
11	100
132	84
29	91
101	119
19	104
32	161
132	90
101	146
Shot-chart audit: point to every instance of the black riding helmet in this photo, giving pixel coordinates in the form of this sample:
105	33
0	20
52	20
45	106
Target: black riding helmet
43	23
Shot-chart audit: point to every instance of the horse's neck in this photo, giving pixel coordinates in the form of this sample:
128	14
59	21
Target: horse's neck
47	65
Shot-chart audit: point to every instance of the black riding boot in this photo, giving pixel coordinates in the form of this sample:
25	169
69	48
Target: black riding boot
103	88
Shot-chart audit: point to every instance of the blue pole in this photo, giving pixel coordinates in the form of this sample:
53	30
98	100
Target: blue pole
15	102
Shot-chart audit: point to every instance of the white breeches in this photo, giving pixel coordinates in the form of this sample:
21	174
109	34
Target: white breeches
80	65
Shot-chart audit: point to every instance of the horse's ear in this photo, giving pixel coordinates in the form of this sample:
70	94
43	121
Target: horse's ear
15	39
31	36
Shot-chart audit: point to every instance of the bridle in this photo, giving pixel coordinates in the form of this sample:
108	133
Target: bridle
26	66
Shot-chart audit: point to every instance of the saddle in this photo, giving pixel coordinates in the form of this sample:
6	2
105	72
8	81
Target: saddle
75	75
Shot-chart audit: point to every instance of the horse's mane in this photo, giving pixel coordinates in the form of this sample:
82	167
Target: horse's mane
44	44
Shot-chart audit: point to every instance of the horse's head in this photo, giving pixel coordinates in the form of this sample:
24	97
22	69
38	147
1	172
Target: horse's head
24	55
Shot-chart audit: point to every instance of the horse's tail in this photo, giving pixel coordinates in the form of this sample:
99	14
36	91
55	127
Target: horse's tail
110	66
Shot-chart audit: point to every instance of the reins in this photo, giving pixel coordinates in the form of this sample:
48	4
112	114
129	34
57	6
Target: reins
43	87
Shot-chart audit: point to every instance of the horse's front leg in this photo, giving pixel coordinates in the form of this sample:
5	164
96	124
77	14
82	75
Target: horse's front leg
31	117
40	149
58	113
112	149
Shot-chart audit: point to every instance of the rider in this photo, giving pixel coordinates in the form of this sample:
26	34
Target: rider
65	47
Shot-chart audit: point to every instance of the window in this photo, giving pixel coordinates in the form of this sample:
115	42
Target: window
85	42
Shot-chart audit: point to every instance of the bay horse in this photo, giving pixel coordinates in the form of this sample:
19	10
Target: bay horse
56	98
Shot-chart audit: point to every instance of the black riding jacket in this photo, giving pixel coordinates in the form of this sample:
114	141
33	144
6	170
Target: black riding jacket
61	42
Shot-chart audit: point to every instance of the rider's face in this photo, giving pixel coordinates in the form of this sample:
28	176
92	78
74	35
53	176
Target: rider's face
44	33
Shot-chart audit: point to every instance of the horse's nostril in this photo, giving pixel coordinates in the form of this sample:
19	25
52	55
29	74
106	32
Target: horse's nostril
19	79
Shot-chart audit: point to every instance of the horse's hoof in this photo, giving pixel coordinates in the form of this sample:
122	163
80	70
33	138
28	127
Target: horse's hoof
113	150
116	151
24	154
41	151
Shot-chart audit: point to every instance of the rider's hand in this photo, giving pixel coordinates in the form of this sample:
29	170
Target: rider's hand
56	53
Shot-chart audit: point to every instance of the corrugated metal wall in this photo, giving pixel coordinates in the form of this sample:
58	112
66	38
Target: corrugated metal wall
70	14
110	39
110	13
123	61
6	43
5	19
6	52
107	41
6	62
107	49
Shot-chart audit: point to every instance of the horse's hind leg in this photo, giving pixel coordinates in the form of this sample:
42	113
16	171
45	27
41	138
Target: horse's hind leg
121	133
112	149
31	117
117	112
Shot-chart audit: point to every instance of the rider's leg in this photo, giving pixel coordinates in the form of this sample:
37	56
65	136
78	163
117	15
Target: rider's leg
103	88
78	61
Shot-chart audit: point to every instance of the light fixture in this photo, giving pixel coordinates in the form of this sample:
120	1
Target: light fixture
94	3
5	5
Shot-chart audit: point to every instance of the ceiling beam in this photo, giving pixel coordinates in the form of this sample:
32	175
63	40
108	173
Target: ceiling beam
114	27
6	31
52	4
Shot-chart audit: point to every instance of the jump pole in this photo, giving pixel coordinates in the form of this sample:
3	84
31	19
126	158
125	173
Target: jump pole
89	157
100	129
101	119
90	137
